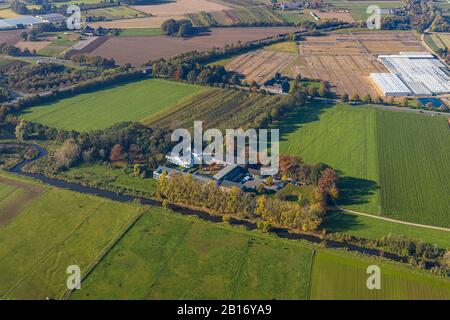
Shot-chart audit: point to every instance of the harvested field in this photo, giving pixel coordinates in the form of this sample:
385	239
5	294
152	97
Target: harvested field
341	16
33	45
181	7
14	197
260	66
139	50
10	36
345	60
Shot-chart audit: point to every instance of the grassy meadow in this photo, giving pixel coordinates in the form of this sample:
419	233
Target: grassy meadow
58	229
414	167
343	277
391	163
101	109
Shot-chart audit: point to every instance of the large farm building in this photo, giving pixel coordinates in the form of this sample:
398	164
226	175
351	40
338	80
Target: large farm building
412	74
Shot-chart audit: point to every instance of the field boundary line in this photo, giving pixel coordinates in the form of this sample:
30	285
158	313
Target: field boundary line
425	226
107	249
311	267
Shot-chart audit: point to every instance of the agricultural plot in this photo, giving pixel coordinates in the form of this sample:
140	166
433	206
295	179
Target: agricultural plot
181	7
260	66
101	109
60	43
217	108
167	256
340	277
161	12
345	60
58	229
391	163
373	228
10	36
14	196
139	50
344	138
8	13
33	45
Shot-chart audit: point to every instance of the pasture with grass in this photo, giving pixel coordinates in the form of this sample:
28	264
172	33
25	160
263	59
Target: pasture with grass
342	277
136	101
58	229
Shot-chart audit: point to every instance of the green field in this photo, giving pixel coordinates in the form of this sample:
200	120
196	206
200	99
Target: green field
97	110
106	177
341	277
167	256
58	229
391	163
372	228
358	8
288	47
114	13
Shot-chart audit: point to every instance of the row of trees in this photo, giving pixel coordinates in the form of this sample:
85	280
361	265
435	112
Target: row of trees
129	142
185	190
